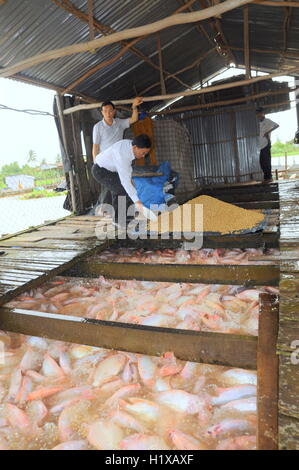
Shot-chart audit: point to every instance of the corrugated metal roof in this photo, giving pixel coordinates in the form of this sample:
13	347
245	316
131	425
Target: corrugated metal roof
30	27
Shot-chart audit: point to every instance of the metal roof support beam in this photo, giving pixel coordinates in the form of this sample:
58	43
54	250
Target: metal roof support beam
150	28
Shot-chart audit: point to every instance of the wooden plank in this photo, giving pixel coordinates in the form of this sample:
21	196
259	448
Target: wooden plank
7	276
289	284
267	374
248	197
288	384
195	346
26	238
288	433
258	205
247	275
288	334
289	308
59	236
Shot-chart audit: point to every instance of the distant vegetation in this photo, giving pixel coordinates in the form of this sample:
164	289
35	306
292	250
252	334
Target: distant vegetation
279	149
35	194
43	178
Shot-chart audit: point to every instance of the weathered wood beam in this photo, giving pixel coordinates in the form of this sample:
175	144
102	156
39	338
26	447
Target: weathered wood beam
267	374
105	30
290	54
100	66
246	41
162	82
247	275
220	103
202	30
275	4
185	93
184	69
216	27
195	346
90	19
178	19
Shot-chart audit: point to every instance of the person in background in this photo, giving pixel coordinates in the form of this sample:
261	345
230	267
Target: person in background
113	170
266	127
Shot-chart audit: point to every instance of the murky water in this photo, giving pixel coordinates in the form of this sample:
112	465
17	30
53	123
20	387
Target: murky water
17	214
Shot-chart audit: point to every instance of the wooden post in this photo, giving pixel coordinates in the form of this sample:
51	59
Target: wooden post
90	19
246	42
70	173
162	82
267	374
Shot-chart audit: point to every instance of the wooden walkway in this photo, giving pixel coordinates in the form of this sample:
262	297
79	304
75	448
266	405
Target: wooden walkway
288	336
33	256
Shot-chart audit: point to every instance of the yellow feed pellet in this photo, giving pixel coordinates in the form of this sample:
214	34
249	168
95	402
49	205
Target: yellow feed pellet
217	216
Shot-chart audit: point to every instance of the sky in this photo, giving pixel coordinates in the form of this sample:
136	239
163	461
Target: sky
22	132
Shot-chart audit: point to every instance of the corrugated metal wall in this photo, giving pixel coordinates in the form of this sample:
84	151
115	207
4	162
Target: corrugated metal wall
224	145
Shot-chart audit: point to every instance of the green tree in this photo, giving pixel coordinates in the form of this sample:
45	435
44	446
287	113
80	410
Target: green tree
32	157
11	169
58	159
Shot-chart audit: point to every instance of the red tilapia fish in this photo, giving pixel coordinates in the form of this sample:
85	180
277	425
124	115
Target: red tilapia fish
189	306
63	396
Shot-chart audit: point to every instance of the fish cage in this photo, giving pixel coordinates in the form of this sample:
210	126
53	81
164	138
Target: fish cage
265	351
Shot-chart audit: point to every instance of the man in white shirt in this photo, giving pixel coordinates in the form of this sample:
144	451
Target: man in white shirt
266	127
113	169
111	129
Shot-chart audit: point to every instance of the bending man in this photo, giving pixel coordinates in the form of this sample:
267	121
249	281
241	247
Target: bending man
113	169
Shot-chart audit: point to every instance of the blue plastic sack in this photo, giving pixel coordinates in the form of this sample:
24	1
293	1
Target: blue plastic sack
150	189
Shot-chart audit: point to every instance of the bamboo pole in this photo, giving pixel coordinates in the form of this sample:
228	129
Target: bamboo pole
182	18
184	93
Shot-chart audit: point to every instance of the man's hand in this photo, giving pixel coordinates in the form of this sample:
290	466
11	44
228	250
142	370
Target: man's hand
137	101
147	213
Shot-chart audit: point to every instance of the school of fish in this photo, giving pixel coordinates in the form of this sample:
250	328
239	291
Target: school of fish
63	396
180	256
191	306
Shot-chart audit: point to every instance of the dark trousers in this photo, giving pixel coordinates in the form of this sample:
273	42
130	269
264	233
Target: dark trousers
265	162
111	181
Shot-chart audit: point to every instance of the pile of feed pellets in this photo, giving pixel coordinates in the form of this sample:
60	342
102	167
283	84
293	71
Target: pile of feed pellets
217	217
